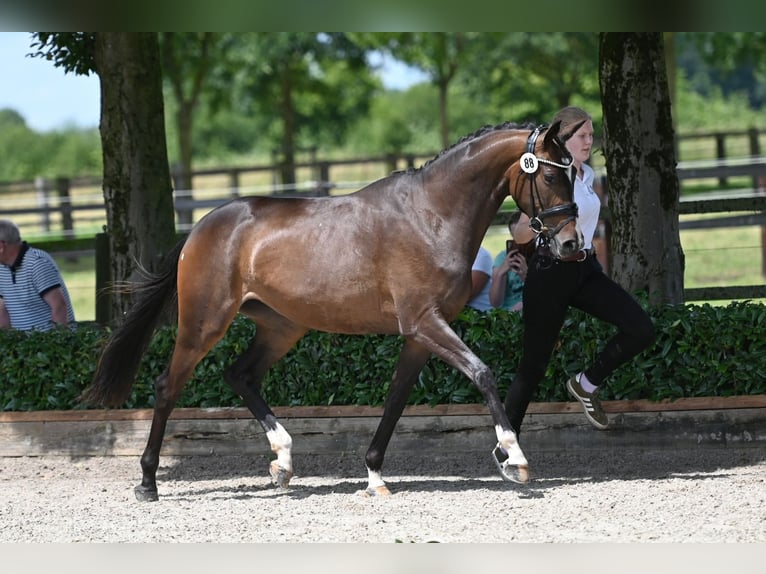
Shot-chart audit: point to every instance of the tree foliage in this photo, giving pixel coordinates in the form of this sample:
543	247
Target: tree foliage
441	55
72	51
186	61
27	154
529	76
308	88
730	62
504	76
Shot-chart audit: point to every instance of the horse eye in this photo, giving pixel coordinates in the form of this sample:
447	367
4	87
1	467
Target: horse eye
550	178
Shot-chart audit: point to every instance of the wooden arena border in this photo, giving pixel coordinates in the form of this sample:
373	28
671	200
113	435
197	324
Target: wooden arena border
689	422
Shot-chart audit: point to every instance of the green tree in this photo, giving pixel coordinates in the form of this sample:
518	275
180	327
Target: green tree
530	75
310	86
10	119
732	62
640	159
27	154
136	182
186	61
15	136
441	55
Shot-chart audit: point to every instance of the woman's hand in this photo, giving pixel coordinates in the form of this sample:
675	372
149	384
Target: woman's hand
517	263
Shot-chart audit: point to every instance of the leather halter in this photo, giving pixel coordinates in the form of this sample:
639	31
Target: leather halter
537	220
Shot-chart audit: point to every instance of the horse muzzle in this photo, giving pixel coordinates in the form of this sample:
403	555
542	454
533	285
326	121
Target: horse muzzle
567	244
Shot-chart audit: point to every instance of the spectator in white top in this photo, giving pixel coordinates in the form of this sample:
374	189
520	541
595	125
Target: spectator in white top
32	292
481	281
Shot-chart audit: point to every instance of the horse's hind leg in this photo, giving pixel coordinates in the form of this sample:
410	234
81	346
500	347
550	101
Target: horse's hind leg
275	335
188	351
411	361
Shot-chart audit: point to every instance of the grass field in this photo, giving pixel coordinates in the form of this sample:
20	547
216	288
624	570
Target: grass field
714	258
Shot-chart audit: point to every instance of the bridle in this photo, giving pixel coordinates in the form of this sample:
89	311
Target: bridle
530	164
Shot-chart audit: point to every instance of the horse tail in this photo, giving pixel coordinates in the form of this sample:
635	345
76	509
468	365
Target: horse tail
121	357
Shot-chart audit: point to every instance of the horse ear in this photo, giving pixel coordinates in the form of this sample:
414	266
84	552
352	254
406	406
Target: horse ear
552	133
572	132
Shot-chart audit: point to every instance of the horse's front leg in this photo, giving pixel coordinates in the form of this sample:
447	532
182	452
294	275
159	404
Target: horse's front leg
281	469
411	361
444	342
274	337
507	454
280	441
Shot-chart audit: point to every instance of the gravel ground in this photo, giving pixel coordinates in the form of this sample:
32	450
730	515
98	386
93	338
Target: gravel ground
694	495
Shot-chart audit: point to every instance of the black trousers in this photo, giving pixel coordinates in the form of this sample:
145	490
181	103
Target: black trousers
550	289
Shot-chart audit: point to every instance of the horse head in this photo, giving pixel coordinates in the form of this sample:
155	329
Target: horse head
543	188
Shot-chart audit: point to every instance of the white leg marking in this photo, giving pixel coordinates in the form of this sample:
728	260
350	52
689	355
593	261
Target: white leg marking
374	479
507	440
281	443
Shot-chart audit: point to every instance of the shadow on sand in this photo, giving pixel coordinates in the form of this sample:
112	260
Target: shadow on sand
454	473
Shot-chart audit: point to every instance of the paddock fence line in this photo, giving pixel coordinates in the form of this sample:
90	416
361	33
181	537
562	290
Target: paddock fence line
52	208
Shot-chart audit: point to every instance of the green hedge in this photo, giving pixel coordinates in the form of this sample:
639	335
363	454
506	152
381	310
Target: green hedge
700	350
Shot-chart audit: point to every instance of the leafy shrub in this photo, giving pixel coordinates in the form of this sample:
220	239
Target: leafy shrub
700	350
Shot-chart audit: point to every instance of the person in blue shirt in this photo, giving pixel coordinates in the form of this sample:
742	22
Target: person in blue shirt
510	267
32	292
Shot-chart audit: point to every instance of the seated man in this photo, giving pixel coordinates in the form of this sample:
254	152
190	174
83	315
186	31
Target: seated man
32	292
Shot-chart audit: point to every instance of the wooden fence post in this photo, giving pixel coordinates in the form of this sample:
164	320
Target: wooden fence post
180	183
391	161
103	278
323	179
41	190
234	182
720	150
65	204
759	182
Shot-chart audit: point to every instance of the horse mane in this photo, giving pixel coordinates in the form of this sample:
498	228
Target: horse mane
477	134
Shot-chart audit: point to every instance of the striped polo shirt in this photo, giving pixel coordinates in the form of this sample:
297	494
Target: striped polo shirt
23	284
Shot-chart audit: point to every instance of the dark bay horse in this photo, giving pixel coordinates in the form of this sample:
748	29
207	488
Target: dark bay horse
392	258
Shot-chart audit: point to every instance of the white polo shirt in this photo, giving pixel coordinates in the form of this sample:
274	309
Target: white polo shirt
23	285
588	204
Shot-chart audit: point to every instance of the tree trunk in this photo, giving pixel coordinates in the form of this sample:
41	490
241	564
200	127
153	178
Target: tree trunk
137	184
641	166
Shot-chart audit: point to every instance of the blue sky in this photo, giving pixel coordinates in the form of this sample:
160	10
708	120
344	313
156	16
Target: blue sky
49	99
44	95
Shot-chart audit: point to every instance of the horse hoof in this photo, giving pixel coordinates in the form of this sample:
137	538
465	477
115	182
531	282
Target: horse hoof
280	476
146	494
371	492
517	473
